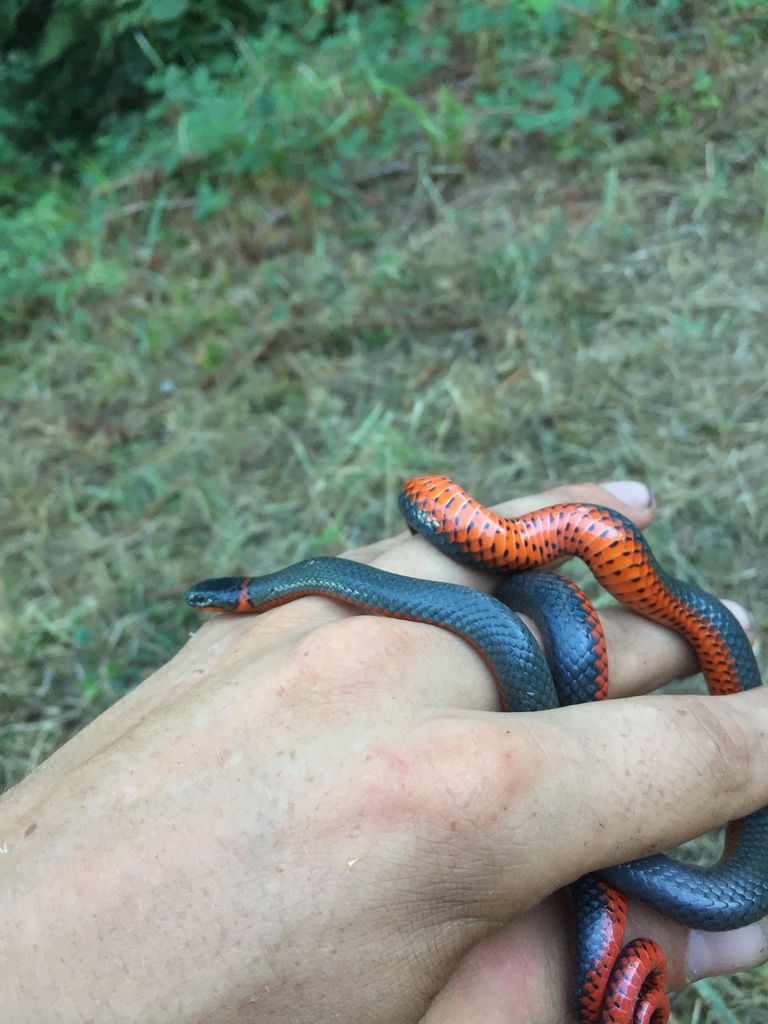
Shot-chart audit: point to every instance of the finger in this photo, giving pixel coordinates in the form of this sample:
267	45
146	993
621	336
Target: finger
444	672
415	556
624	779
524	971
691	955
521	973
713	953
643	655
620	779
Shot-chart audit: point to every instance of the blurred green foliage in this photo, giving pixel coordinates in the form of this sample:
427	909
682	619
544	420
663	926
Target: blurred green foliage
154	105
239	73
70	64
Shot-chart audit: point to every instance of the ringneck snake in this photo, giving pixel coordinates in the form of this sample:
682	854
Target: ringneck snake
613	983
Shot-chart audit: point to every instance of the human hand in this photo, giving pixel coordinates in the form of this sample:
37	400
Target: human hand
314	815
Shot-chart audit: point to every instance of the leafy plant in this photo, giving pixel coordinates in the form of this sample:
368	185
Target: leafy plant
182	107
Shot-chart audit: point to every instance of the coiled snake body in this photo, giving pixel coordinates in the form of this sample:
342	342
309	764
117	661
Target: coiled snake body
612	985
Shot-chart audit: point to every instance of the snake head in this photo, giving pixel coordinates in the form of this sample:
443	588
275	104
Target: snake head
217	595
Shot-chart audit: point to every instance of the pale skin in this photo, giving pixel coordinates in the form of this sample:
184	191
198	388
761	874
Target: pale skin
317	816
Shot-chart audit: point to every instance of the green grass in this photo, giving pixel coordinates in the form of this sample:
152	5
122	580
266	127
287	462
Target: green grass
210	367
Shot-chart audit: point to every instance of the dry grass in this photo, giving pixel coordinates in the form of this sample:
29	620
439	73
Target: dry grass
231	412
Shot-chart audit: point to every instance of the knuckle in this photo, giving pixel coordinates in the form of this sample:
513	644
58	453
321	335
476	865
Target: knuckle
729	745
471	776
357	652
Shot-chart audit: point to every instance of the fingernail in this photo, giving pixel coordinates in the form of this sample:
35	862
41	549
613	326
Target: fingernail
631	492
712	953
745	618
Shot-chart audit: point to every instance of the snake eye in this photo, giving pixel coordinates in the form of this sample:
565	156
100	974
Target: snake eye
199	597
